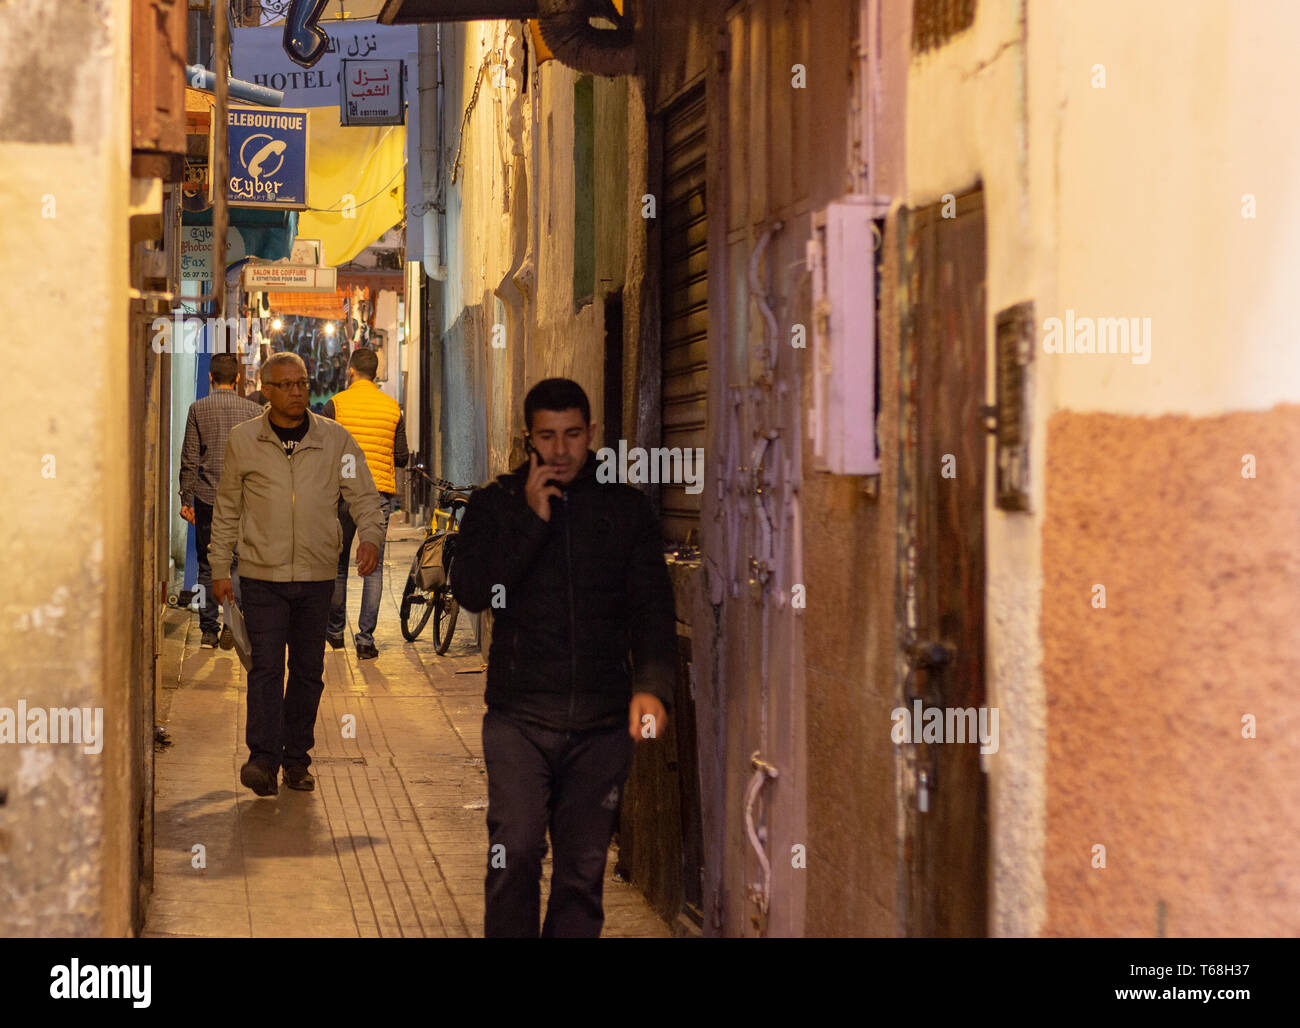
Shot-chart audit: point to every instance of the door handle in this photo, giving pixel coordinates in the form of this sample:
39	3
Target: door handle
759	892
923	656
927	657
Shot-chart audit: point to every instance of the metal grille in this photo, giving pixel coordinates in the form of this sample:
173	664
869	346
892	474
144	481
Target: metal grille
685	307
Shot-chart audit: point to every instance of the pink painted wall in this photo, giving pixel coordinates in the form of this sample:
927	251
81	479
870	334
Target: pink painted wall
1145	697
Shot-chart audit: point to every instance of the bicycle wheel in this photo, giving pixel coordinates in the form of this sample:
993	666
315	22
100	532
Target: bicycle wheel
444	625
416	608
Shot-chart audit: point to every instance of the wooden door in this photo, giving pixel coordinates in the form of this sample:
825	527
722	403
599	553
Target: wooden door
941	610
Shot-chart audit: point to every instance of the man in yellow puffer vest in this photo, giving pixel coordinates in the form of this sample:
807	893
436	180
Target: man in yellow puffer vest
375	421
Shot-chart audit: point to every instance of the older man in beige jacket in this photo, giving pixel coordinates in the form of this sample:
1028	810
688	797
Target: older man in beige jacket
278	501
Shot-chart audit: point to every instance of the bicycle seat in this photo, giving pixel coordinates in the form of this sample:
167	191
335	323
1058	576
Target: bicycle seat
453	497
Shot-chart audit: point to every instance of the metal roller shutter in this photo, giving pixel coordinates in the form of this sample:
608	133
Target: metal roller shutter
685	300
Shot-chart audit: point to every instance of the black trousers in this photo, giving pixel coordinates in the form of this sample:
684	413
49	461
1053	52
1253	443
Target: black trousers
282	718
208	620
569	783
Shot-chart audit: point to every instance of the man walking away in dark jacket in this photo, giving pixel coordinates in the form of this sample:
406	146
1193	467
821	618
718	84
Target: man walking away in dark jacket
574	571
209	423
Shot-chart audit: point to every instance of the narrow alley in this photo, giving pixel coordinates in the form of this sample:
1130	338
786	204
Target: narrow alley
855	440
390	844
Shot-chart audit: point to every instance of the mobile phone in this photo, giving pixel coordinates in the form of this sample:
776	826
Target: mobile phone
530	448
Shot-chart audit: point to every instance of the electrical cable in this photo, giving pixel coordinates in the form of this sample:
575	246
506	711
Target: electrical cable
383	189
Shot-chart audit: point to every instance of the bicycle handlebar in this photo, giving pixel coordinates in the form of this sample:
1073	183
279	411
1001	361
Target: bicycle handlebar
441	483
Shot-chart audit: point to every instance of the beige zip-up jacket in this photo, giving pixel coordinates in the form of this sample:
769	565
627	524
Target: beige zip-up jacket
281	511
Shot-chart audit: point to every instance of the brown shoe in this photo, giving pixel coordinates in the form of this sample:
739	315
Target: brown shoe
299	778
259	779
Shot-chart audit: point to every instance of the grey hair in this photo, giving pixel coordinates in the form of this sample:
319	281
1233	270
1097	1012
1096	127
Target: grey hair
285	357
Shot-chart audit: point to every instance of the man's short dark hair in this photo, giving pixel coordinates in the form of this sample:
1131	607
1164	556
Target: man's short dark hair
365	362
224	368
557	394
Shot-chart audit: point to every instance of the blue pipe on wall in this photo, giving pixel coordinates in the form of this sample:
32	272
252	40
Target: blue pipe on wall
199	77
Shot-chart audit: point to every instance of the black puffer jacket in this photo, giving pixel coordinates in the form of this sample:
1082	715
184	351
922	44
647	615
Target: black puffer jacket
571	598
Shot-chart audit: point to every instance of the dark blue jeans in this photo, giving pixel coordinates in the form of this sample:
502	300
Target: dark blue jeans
372	586
570	783
282	718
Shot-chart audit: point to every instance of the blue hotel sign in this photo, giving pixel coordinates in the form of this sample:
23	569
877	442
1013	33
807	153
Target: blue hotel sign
268	158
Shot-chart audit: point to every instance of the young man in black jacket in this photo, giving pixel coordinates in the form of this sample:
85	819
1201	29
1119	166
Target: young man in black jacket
573	569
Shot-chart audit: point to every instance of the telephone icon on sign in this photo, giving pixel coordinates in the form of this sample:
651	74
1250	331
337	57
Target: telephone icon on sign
273	148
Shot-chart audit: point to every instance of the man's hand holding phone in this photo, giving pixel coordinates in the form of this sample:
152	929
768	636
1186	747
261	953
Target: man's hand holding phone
540	486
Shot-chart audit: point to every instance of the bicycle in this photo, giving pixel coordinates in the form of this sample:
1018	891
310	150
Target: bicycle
428	586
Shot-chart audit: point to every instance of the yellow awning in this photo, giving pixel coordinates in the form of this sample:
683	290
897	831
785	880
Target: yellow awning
356	183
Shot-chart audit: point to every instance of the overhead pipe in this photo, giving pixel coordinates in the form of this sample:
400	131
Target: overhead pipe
220	157
200	77
431	159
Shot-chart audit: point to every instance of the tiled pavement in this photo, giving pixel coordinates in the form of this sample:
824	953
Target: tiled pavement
392	842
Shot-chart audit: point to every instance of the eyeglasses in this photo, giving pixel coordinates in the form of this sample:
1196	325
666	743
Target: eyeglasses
289	387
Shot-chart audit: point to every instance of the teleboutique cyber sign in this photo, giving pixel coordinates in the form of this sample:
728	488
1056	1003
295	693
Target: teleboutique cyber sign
268	158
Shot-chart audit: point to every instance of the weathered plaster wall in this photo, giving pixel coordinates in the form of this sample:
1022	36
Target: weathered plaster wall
1117	201
1146	697
478	238
510	226
67	832
1153	171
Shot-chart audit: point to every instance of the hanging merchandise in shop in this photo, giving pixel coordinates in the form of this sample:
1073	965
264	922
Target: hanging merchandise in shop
268	158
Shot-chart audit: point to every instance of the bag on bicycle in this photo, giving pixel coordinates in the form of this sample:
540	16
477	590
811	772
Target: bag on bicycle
434	559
